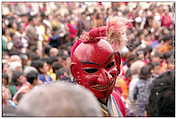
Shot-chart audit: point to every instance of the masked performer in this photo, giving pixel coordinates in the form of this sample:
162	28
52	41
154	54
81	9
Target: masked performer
96	65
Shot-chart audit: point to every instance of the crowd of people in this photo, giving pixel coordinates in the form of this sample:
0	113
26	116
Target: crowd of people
37	38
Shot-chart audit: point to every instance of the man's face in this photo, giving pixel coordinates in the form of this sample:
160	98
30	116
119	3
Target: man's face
94	66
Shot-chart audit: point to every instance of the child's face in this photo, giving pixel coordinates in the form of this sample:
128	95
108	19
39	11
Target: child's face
4	81
22	79
157	70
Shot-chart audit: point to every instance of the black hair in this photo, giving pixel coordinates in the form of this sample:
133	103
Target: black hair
31	76
15	76
6	77
132	57
38	64
30	18
162	97
33	56
56	66
152	65
51	59
145	72
46	49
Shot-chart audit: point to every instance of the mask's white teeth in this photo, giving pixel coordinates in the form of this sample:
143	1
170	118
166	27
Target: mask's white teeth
102	87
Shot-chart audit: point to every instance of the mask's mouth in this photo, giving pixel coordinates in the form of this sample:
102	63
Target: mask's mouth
103	88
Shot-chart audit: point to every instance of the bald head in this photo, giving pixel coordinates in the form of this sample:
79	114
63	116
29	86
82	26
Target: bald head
59	99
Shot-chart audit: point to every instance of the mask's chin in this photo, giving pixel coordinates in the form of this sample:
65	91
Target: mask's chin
103	93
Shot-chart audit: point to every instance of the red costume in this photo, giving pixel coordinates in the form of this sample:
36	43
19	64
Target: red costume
95	65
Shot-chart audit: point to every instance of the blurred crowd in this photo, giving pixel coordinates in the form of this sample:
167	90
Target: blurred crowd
37	37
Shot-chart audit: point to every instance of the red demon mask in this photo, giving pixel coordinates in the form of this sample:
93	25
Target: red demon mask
96	67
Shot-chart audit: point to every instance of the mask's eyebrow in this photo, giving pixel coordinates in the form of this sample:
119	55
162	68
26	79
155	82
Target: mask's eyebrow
87	62
109	58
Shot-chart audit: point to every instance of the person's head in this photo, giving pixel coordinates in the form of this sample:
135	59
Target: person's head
41	66
24	59
155	57
95	66
50	60
140	54
32	77
145	73
156	68
56	66
15	63
28	69
162	97
18	78
59	99
5	79
53	52
131	58
34	20
136	67
15	58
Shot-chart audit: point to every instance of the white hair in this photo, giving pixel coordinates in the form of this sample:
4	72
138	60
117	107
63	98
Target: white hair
29	69
59	99
136	67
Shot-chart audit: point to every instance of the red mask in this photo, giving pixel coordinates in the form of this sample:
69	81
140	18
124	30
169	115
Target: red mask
96	67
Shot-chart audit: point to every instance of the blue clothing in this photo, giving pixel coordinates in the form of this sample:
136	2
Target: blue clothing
142	95
43	78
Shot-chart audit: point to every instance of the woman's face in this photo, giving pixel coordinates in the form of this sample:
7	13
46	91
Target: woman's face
22	79
45	68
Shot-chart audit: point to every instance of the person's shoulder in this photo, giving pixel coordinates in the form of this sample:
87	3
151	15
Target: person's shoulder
41	77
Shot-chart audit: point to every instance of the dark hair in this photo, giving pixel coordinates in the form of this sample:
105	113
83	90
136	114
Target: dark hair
30	18
46	49
38	64
5	76
31	76
162	97
15	76
56	66
33	56
51	59
145	72
131	57
152	65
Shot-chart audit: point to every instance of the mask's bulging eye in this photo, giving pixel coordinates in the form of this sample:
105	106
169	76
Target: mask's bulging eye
91	70
110	65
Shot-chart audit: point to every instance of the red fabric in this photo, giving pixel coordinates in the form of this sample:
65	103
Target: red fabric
98	32
72	31
166	20
119	101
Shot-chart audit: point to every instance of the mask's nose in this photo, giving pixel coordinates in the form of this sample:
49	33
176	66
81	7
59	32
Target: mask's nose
104	78
114	73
